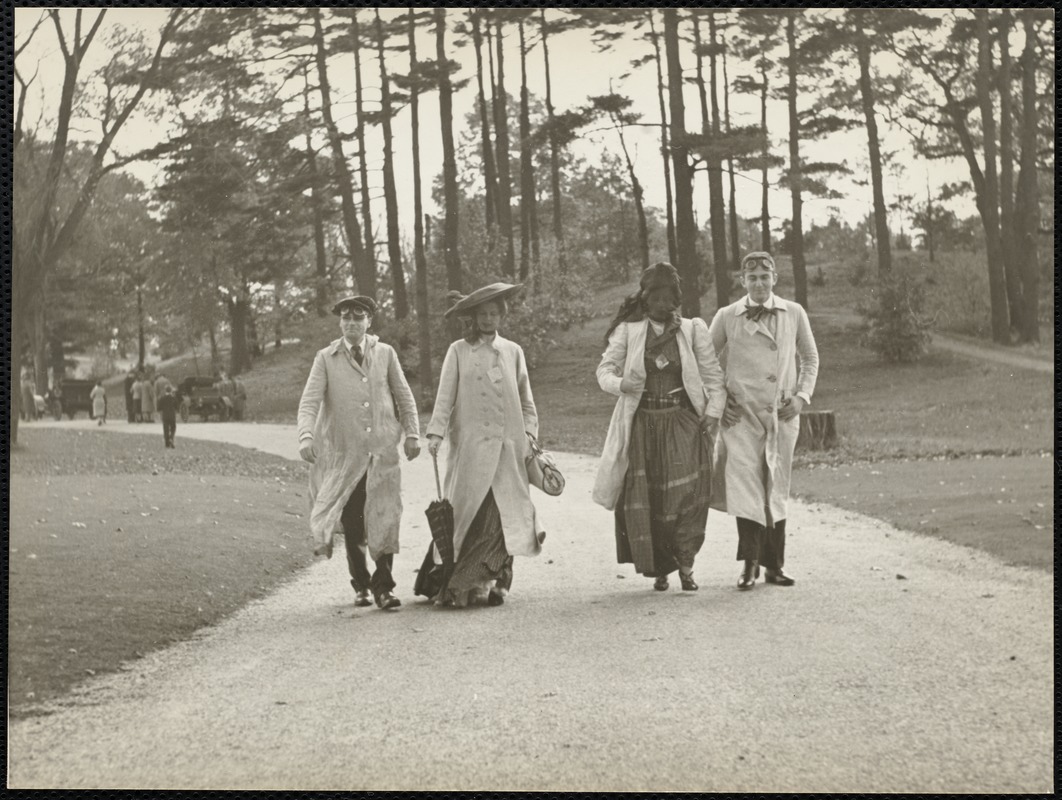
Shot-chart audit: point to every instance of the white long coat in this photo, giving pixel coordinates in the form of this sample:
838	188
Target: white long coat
484	404
347	409
754	458
702	378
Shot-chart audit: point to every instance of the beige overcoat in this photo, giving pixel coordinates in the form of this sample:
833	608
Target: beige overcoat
754	458
485	407
702	378
348	410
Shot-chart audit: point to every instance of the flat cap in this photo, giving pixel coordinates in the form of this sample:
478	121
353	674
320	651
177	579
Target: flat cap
358	303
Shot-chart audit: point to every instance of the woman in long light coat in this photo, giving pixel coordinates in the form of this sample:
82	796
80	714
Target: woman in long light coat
656	466
99	403
485	408
147	399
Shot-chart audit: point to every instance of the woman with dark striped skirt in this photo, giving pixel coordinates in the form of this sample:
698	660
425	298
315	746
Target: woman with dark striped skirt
655	471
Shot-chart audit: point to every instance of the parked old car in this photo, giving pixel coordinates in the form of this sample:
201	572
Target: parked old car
74	395
198	395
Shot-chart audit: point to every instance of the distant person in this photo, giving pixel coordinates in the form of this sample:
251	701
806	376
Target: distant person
29	402
224	387
655	470
127	385
349	433
147	399
136	393
99	403
167	405
239	398
759	339
485	408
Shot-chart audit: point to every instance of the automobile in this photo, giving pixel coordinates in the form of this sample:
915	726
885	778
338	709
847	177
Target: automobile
199	396
74	395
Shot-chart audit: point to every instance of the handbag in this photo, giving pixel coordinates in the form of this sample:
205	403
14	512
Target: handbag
542	470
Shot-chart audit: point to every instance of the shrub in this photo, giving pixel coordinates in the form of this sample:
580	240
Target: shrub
897	325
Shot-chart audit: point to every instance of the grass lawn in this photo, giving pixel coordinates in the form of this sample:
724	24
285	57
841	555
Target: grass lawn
118	547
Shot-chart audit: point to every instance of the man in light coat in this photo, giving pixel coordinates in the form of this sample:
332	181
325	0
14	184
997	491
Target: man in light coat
348	432
759	340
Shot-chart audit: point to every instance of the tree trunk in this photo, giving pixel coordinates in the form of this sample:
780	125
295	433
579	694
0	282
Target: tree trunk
527	195
363	165
554	155
427	391
215	352
394	235
239	359
735	243
818	430
450	195
1028	201
501	137
363	271
930	222
800	275
254	346
1011	257
490	177
765	212
988	198
866	90
636	190
672	244
278	318
322	290
685	228
717	210
140	339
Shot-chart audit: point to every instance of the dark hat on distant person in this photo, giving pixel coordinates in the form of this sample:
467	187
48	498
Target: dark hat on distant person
465	305
359	304
660	275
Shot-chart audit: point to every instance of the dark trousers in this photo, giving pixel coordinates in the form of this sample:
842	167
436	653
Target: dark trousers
759	543
353	521
169	427
129	412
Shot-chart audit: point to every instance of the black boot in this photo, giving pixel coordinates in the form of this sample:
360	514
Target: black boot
749	575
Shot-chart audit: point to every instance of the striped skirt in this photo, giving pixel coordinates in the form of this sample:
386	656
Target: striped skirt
663	508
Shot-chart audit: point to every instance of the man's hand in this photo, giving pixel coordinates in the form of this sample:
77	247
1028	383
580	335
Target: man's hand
412	447
732	412
306	451
791	408
434	442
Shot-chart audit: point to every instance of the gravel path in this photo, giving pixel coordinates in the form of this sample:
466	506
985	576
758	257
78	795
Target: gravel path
853	681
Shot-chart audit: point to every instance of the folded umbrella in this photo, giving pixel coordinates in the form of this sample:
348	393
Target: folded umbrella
433	579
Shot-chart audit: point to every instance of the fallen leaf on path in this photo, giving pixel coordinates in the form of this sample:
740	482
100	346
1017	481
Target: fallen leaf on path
621	577
987	595
900	577
876	569
80	525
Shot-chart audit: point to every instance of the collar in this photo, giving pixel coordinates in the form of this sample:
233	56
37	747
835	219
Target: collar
493	344
746	301
366	343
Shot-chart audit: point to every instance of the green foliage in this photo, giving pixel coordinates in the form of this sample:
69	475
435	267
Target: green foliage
898	327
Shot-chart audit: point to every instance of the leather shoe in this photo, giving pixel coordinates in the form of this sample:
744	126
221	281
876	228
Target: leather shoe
495	598
362	598
688	584
749	575
778	577
660	584
387	600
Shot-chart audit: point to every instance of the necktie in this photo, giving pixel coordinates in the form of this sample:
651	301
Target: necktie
757	313
356	351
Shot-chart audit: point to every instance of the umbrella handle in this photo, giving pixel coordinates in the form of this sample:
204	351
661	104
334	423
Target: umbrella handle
435	463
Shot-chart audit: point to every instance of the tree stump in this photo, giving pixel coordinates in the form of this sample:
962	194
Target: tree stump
818	430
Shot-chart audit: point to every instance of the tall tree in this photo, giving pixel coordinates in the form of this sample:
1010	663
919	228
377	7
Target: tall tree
1011	270
446	118
490	176
420	261
685	227
672	237
989	197
394	236
528	219
1027	210
43	231
800	273
501	135
554	154
363	270
735	243
360	122
322	287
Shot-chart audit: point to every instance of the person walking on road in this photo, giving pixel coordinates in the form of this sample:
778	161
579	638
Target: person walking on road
131	408
167	405
656	465
759	340
348	432
485	408
99	402
137	393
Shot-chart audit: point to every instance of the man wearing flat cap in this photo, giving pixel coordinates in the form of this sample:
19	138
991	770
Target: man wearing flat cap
760	340
349	433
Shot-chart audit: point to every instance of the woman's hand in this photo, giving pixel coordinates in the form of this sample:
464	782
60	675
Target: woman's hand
708	424
791	408
306	451
434	442
732	412
628	386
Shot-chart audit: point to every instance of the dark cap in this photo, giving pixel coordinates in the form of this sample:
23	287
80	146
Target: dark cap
359	304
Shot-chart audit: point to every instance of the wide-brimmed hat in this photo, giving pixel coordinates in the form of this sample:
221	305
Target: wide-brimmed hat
359	304
493	291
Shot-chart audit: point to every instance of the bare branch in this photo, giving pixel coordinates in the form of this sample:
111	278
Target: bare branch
29	37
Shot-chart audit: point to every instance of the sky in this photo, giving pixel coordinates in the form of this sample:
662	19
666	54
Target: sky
578	70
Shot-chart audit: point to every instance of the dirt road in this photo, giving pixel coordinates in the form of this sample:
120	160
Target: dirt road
854	680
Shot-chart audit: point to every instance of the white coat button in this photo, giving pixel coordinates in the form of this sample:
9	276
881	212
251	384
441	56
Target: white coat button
364	380
368	430
771	378
366	404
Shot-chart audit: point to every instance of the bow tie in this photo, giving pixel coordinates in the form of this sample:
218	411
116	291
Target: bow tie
757	313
